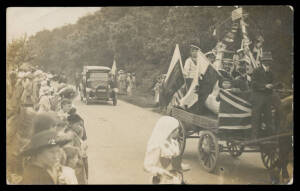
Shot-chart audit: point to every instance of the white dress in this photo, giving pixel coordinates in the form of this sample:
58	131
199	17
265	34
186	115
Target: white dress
44	104
67	175
159	147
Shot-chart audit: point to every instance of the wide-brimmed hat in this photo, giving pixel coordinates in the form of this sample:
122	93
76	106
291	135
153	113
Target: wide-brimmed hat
44	139
266	56
45	121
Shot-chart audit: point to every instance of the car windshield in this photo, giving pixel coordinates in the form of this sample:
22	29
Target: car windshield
98	76
96	79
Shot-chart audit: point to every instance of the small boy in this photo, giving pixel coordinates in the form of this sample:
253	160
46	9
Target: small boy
66	106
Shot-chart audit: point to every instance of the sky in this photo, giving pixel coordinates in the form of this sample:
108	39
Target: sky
29	20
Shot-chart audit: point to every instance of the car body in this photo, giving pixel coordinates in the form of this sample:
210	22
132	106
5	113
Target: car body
97	85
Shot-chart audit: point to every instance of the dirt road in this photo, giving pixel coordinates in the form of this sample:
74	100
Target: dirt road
117	139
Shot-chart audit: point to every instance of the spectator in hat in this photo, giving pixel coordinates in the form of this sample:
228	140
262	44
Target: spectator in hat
133	81
28	90
43	150
226	72
263	96
36	91
129	84
190	66
75	122
257	49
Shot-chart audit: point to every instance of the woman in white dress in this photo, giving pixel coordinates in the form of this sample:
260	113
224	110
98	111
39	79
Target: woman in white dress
44	103
163	158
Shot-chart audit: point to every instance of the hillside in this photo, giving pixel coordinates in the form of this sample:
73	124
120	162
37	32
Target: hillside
142	39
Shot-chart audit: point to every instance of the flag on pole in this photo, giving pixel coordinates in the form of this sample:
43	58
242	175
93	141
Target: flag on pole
114	68
208	76
174	85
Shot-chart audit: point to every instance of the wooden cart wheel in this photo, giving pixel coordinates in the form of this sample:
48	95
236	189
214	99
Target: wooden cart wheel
208	149
182	137
234	149
269	156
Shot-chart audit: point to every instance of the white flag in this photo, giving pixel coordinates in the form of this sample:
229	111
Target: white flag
114	68
176	57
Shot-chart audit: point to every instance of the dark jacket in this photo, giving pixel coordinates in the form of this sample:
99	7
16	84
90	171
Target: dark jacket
259	80
241	82
36	175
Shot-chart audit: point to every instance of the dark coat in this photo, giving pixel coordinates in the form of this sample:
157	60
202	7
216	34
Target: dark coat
259	80
241	82
36	175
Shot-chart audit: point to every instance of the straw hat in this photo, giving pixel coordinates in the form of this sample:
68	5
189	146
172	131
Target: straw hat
42	140
45	121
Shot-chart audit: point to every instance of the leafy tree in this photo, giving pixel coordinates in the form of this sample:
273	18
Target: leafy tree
142	39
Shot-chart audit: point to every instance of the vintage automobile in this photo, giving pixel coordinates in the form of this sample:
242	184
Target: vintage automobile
97	85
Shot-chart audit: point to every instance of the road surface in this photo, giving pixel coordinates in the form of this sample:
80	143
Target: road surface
117	139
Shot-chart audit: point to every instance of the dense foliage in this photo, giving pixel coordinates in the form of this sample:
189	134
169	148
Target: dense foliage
142	39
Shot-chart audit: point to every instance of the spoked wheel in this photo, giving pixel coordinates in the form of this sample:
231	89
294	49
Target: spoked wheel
234	149
269	156
182	138
208	149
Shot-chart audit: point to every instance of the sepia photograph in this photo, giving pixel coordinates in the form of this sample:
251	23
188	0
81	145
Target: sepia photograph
143	95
